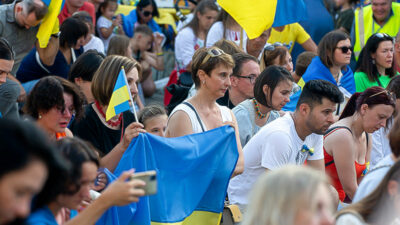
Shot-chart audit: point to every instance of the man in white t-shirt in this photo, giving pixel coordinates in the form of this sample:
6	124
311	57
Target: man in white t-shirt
292	139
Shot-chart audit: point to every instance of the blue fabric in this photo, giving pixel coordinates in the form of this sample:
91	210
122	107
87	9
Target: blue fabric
30	69
192	174
129	21
289	11
318	71
45	216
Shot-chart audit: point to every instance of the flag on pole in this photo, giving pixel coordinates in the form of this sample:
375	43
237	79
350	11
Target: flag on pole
49	24
256	16
120	97
192	177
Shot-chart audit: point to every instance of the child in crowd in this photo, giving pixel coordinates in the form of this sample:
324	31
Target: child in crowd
107	24
154	118
91	41
302	62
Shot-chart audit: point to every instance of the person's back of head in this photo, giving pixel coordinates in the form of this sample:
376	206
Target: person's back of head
118	45
143	29
314	91
72	30
302	62
6	51
86	65
292	188
84	17
24	147
228	46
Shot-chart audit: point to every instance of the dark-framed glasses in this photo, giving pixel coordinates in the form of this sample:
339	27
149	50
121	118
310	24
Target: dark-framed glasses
345	49
252	77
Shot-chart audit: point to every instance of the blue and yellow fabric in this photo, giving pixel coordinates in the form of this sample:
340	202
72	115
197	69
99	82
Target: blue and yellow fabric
362	33
192	175
256	16
49	24
318	71
120	97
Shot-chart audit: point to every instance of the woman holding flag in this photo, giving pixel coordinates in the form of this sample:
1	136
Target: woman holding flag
211	69
111	135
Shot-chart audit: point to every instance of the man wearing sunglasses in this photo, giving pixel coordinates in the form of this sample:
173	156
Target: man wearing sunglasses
243	77
382	16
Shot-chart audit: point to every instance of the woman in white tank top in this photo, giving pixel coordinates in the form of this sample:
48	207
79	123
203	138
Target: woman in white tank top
211	68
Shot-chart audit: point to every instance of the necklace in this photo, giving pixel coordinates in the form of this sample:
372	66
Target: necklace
111	123
258	112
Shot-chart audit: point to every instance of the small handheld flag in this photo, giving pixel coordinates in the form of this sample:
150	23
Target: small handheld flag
120	97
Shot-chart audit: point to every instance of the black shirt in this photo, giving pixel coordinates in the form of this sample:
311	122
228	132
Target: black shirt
90	128
225	101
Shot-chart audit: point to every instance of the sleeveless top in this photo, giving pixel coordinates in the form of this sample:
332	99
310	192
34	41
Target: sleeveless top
330	167
198	125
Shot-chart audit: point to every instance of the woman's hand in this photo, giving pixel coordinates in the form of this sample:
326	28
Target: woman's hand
101	181
122	192
132	131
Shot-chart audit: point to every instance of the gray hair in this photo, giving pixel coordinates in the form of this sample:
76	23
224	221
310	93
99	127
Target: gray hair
38	7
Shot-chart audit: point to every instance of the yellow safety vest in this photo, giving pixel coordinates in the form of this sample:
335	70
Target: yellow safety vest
365	26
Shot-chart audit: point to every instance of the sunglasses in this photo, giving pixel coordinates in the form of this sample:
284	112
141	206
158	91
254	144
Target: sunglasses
147	13
211	53
345	49
381	35
271	47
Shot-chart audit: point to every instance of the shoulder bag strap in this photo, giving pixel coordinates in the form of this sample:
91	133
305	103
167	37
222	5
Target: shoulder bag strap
197	115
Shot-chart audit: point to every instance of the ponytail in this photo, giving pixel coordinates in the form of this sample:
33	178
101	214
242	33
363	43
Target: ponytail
351	106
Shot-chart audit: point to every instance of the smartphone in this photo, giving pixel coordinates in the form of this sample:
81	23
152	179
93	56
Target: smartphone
150	177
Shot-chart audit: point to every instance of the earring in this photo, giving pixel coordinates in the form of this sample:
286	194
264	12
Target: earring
204	81
40	116
373	61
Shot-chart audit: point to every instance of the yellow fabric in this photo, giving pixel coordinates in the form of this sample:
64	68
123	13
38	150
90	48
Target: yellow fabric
291	33
119	96
255	16
167	15
50	24
197	218
391	27
301	83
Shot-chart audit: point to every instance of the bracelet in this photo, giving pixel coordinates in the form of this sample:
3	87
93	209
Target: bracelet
160	53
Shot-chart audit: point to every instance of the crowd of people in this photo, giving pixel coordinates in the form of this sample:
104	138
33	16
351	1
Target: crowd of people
317	133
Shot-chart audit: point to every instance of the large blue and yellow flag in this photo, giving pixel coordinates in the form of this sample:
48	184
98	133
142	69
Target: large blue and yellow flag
193	172
256	16
120	97
49	24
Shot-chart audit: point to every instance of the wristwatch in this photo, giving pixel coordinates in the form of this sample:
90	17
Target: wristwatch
56	35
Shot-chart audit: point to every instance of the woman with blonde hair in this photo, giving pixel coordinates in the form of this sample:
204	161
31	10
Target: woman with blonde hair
211	69
120	45
292	195
111	137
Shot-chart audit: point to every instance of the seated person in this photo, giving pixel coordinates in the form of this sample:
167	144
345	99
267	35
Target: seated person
295	138
72	36
302	62
147	50
91	41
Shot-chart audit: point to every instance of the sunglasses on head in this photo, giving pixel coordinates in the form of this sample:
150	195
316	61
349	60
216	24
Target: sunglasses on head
381	35
271	47
345	49
391	95
147	13
213	52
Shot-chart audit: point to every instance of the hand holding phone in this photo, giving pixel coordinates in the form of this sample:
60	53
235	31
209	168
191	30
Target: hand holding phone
150	178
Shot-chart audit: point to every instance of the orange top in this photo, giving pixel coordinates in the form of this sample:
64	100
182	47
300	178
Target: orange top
60	135
330	168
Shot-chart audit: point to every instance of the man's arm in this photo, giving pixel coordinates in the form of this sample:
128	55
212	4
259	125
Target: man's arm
48	55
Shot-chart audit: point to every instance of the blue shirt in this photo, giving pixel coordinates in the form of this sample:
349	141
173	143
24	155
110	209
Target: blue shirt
44	216
30	69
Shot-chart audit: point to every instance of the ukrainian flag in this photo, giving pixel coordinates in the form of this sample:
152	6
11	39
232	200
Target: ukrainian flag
256	16
50	24
192	175
120	97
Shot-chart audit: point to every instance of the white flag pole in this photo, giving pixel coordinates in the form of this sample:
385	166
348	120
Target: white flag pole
130	95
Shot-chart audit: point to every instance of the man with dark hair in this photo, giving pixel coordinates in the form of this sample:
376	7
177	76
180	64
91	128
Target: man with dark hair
295	138
19	23
243	77
9	90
